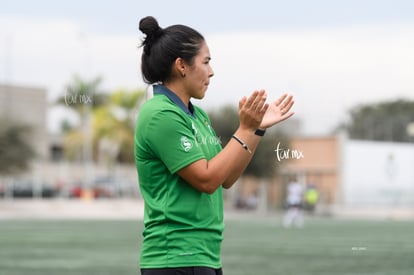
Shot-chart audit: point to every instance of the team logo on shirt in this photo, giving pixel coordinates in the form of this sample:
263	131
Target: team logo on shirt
196	134
186	143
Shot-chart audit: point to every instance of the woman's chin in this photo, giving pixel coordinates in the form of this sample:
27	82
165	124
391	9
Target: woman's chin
199	97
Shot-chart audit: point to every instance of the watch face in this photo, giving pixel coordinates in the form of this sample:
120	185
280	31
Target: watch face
260	132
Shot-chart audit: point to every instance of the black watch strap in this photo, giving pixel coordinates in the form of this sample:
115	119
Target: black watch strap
260	132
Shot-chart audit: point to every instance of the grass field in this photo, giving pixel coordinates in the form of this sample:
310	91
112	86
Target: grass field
256	246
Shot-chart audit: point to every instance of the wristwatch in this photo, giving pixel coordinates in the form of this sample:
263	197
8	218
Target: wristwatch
260	132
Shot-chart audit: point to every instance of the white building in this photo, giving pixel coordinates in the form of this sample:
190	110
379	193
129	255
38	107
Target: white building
377	173
27	105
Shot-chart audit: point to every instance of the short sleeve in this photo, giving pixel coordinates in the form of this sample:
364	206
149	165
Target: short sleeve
171	138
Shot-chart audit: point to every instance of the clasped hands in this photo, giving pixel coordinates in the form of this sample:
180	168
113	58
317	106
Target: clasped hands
255	113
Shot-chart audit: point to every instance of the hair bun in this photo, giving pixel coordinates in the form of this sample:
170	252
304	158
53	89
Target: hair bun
149	26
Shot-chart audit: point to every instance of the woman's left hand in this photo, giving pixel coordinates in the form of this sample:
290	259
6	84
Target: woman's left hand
278	111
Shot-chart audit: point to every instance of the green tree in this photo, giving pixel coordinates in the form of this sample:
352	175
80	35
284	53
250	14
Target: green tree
114	124
384	121
108	118
224	122
15	150
82	96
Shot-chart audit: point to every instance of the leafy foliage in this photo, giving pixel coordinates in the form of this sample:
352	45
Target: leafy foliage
110	118
114	123
385	121
81	93
225	122
15	150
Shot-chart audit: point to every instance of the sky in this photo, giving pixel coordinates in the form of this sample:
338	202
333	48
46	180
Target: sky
330	55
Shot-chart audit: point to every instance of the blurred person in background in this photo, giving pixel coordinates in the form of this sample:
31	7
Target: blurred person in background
181	164
294	204
311	198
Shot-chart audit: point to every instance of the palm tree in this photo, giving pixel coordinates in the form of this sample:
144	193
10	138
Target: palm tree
109	119
81	96
113	126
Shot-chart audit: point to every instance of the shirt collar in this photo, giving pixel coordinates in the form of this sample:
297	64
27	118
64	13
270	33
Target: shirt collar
162	90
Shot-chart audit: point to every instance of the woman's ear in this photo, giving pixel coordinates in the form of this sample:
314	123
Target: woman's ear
180	66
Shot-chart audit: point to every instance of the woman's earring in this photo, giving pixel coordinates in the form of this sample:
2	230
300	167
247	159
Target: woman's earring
183	74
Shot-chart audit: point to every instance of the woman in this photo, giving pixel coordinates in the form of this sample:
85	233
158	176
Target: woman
181	165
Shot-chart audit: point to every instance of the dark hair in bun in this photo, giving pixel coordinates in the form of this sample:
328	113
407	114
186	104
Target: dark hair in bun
163	46
149	26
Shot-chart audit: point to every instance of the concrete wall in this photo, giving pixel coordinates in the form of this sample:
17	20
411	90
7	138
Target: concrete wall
378	173
318	165
27	105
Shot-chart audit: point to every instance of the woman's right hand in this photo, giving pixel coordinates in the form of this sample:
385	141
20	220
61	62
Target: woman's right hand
278	111
252	110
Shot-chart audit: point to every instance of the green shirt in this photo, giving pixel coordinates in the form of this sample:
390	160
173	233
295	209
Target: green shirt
183	226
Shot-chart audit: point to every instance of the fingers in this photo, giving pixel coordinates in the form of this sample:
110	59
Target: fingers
281	99
256	101
251	99
284	103
242	102
260	102
287	115
252	109
286	106
264	109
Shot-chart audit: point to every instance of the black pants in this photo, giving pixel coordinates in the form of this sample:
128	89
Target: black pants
182	271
